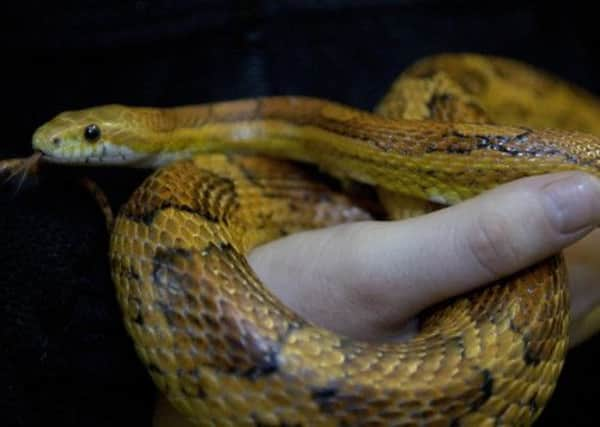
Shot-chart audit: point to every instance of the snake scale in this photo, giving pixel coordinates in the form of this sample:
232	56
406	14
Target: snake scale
225	351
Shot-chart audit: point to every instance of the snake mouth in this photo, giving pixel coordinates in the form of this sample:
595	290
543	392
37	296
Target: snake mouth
44	156
106	155
41	154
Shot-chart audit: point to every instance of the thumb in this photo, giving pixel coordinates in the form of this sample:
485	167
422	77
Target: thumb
367	279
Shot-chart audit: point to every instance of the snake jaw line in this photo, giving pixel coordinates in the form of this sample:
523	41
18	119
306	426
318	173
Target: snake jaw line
102	153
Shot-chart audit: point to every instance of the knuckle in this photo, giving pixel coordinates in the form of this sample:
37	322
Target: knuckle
490	244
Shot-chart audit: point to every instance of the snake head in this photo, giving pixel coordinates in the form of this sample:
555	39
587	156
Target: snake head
99	135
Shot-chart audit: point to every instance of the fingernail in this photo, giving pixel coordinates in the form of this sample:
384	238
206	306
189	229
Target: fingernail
573	202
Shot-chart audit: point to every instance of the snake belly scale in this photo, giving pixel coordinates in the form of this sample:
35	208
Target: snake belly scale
225	351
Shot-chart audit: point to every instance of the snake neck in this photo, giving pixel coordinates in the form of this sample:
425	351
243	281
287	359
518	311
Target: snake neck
441	162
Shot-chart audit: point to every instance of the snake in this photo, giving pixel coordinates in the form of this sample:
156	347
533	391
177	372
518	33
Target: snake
231	175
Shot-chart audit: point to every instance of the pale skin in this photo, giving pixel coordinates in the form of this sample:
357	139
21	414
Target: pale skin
368	280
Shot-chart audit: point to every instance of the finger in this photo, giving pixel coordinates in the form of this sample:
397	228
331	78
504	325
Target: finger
365	279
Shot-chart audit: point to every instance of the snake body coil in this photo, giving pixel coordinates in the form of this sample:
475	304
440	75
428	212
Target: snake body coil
226	352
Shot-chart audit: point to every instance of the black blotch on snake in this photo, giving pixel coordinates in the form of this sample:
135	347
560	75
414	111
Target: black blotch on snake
324	397
267	365
487	388
164	275
530	356
147	217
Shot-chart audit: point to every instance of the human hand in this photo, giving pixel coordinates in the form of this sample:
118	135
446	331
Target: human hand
367	280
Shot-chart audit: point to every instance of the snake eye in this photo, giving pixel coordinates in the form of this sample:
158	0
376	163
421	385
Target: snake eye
92	133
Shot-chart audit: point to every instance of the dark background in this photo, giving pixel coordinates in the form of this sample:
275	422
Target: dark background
65	357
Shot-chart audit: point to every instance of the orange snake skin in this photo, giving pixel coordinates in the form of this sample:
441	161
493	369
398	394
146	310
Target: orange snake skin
225	351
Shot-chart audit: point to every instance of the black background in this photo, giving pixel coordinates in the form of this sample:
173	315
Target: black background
65	355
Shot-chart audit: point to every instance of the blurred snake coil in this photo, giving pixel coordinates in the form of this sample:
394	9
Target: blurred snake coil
229	177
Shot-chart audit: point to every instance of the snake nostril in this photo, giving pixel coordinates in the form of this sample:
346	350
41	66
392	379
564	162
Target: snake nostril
56	141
